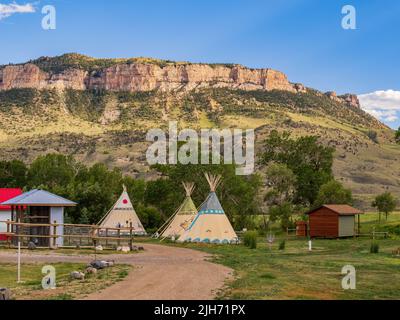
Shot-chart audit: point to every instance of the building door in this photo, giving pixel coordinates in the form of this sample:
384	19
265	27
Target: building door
346	226
39	215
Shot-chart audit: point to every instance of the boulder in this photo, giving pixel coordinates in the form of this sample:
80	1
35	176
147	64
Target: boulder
5	294
110	263
125	249
91	270
98	264
99	248
31	245
76	275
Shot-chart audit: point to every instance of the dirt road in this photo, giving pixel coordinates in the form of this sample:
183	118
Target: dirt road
160	273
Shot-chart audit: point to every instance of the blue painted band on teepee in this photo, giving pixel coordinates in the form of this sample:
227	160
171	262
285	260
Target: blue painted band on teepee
210	211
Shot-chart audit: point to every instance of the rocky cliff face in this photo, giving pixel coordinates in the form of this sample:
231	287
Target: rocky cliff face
146	77
348	98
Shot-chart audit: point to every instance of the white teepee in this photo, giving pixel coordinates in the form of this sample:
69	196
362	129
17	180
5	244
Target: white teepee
182	218
211	225
121	215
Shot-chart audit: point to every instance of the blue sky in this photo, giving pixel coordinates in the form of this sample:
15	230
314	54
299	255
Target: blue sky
302	38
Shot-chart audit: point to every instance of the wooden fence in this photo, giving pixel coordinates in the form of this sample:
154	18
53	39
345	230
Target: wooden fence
72	235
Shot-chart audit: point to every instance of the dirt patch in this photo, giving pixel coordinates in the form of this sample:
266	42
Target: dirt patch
160	273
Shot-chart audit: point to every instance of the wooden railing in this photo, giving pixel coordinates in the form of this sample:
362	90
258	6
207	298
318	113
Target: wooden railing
72	234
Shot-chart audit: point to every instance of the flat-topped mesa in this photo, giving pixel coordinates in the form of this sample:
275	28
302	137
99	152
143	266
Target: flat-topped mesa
134	77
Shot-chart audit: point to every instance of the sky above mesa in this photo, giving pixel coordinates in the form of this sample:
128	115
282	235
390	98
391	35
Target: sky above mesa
303	38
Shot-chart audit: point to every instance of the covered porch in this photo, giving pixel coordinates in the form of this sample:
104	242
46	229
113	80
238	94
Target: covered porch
39	215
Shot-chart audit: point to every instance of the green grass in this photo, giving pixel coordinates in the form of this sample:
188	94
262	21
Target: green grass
296	273
370	220
67	289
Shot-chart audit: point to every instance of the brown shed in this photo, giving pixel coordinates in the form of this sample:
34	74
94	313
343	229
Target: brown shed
333	221
301	229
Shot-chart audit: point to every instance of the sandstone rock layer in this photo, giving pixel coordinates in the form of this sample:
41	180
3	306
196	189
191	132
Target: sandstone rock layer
146	77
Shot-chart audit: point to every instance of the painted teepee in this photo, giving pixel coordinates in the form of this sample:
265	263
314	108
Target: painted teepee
211	223
183	217
121	215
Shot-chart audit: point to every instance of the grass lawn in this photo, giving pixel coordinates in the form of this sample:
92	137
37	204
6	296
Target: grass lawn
369	221
67	289
295	273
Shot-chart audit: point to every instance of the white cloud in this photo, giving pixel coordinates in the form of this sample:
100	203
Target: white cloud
7	10
391	118
384	105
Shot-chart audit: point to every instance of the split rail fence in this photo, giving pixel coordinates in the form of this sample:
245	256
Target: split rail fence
73	235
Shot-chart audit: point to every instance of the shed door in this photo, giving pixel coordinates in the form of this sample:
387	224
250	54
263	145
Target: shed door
346	226
57	216
39	215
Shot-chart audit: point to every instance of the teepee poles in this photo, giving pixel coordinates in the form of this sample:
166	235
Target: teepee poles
189	188
213	180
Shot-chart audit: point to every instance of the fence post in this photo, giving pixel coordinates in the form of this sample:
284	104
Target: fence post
55	234
130	236
93	231
8	231
119	237
106	237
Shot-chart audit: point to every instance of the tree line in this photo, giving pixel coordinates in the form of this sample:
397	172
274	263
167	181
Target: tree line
295	175
96	188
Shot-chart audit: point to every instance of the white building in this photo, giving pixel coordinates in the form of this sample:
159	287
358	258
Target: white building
40	207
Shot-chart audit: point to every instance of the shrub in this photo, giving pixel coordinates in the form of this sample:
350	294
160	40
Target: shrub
372	135
374	248
282	245
250	239
392	229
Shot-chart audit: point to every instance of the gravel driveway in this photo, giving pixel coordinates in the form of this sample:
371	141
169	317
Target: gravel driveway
160	273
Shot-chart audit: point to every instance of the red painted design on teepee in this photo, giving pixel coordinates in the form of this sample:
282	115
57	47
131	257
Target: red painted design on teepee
124	201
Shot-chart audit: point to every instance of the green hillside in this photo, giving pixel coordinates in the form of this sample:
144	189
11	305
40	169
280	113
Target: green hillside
110	127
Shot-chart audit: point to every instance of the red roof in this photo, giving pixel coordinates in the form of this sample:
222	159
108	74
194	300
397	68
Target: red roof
7	194
341	209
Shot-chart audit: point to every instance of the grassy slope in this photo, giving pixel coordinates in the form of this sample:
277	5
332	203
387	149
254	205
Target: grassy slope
298	274
110	127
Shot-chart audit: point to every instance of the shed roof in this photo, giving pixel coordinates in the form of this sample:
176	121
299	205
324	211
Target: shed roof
39	198
341	209
7	194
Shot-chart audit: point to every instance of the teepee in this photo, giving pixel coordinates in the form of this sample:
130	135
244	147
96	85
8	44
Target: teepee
211	224
121	215
182	218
